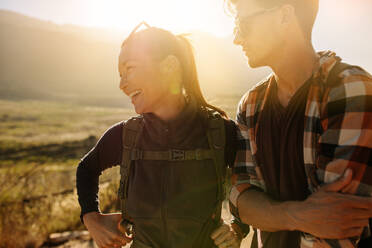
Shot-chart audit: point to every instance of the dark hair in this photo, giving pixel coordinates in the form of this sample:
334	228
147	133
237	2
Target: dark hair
306	10
160	43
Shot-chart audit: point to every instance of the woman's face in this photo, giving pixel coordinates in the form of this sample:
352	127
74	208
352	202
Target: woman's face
142	79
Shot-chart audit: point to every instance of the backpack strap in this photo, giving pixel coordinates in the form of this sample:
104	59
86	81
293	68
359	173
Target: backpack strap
132	130
334	75
216	140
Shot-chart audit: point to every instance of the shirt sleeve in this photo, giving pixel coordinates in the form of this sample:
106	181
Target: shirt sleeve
245	173
230	150
105	154
231	144
346	140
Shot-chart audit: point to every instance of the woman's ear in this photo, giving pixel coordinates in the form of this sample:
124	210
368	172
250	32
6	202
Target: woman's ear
170	64
171	70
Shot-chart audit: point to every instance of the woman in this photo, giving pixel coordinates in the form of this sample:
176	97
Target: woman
169	202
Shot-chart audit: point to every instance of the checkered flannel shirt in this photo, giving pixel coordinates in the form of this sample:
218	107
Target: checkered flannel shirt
337	135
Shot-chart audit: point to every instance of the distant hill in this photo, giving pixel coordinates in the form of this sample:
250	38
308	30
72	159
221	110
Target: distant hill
43	60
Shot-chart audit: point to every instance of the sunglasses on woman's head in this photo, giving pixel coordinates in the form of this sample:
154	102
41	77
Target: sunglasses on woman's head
138	26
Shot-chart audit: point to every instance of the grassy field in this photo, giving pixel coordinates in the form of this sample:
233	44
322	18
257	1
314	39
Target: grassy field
40	146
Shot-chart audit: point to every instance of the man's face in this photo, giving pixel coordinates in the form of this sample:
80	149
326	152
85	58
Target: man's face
257	32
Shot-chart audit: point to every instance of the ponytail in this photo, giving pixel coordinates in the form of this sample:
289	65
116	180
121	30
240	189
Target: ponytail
190	76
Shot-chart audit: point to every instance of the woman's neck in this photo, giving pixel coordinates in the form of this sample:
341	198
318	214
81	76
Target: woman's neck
171	108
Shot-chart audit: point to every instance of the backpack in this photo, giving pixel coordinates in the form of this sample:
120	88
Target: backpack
132	130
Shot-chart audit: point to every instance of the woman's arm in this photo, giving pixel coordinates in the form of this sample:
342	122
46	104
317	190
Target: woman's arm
105	154
104	228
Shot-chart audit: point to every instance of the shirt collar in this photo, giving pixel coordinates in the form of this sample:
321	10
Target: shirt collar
327	60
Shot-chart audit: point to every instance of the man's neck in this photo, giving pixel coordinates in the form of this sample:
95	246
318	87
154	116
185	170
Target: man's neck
296	65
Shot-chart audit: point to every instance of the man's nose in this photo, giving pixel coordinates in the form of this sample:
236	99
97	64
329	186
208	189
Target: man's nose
123	83
238	39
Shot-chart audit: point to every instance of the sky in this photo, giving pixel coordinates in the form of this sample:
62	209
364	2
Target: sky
342	25
176	15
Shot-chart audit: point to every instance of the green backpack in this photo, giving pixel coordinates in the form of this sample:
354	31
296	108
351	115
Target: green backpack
216	139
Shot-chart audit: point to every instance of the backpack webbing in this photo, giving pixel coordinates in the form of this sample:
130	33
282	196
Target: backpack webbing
334	75
130	135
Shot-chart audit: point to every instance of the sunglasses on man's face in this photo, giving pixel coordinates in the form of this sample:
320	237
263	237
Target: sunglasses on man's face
244	24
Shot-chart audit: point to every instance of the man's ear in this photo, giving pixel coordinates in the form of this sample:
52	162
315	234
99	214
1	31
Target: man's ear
287	13
170	64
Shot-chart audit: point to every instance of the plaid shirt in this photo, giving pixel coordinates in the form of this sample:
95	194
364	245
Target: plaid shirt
337	135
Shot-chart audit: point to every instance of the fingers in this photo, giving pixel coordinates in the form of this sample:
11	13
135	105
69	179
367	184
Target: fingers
227	243
339	184
222	229
359	202
224	237
123	240
350	232
114	241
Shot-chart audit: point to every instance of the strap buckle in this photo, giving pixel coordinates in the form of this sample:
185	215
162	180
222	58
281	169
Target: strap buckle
177	155
198	154
136	154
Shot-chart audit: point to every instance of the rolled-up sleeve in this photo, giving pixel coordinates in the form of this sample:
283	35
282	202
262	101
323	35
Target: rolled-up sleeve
346	140
246	173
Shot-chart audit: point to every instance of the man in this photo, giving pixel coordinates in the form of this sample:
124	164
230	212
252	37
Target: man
303	172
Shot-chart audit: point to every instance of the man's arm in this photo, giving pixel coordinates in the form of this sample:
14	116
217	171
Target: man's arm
346	139
325	214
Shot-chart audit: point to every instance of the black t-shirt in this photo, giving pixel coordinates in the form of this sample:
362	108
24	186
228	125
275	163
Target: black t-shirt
280	155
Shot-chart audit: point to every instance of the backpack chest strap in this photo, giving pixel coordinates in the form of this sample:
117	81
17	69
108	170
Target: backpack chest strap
170	155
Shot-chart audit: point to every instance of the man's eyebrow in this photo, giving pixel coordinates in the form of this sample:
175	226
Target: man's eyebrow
125	63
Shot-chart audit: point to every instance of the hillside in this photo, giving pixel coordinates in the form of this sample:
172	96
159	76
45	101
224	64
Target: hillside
43	60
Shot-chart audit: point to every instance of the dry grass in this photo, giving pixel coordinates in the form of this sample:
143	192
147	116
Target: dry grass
28	219
40	145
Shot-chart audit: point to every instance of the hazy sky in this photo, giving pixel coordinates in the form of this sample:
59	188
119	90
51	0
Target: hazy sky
342	25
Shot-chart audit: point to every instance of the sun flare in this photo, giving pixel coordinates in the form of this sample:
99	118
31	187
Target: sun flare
174	15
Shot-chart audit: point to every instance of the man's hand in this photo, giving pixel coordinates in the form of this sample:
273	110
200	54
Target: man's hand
104	229
225	236
330	214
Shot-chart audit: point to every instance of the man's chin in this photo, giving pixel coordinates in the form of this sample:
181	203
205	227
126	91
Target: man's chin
254	63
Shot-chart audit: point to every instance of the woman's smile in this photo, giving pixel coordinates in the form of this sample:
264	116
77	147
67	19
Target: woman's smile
134	95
